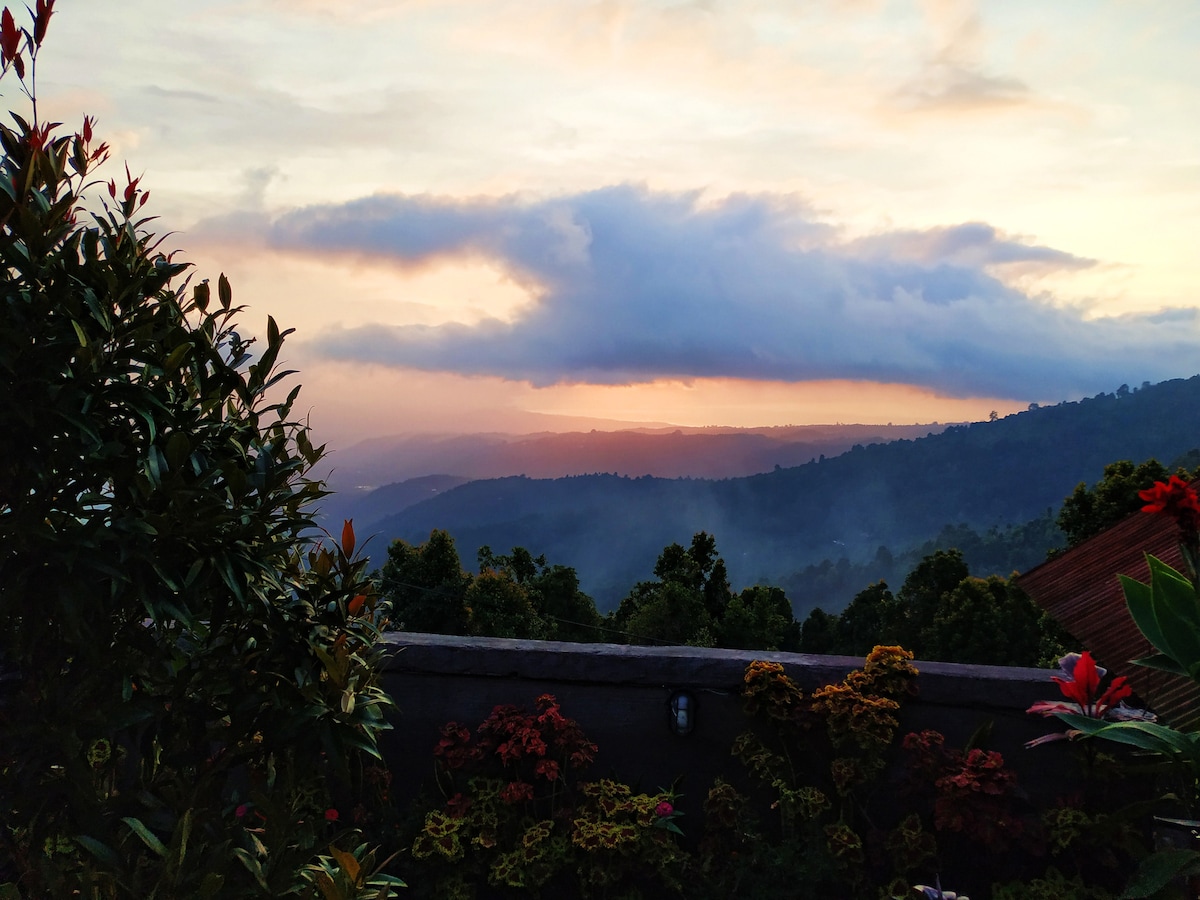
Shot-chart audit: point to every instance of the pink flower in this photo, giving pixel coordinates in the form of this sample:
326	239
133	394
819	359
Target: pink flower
664	809
241	811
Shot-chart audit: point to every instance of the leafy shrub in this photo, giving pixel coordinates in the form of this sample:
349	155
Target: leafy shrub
189	680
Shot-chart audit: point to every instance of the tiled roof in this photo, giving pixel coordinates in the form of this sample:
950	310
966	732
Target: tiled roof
1080	589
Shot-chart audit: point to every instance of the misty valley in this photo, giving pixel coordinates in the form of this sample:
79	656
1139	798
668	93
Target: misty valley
746	561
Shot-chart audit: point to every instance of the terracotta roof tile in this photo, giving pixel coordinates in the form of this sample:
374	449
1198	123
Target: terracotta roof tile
1080	589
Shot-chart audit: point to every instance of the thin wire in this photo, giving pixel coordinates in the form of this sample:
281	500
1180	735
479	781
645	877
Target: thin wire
643	639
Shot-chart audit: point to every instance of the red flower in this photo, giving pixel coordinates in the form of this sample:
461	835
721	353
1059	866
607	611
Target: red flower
241	811
348	538
1175	498
1082	685
331	815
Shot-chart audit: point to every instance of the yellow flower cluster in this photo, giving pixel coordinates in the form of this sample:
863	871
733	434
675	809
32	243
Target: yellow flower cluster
854	719
768	689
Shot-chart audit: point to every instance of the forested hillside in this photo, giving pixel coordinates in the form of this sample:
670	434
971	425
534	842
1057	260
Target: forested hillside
899	495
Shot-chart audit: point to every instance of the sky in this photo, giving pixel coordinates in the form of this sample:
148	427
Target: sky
759	212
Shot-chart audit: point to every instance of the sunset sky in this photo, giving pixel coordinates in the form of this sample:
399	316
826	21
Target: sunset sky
749	213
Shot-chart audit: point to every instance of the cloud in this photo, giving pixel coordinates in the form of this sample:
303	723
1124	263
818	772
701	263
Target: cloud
972	245
952	79
635	286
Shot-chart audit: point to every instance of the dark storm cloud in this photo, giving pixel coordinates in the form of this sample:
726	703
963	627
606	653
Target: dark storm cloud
636	285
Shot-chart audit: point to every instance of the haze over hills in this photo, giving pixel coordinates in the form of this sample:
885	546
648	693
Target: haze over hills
666	451
382	476
897	494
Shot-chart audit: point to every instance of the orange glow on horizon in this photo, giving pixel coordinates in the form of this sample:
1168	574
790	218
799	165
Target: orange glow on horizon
352	402
737	402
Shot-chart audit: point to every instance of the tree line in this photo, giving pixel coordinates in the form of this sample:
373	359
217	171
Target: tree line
940	611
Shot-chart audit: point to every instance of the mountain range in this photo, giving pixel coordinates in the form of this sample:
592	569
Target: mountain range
893	491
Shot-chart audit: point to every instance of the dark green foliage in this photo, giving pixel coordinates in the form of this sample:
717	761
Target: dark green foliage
564	611
985	621
1089	511
499	607
759	618
692	603
942	613
172	645
909	619
996	551
426	585
514	595
859	625
667	612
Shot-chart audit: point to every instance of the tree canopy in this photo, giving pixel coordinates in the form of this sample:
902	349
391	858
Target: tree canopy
513	595
941	612
692	603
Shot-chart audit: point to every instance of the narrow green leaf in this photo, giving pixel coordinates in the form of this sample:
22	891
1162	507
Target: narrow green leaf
184	832
1162	662
1144	735
102	852
253	867
178	355
147	836
1157	870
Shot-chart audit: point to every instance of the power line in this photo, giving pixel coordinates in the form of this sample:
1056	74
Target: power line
640	638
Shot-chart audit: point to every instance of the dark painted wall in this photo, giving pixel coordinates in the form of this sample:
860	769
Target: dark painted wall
619	695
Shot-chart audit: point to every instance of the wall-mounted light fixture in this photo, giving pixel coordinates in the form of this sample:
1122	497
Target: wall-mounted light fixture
682	708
